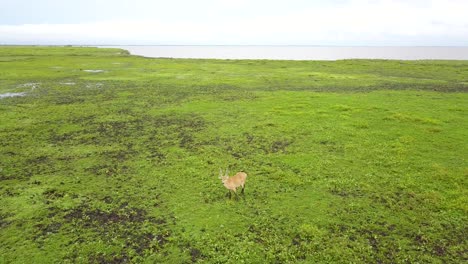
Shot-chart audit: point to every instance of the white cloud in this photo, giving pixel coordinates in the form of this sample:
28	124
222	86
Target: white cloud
355	22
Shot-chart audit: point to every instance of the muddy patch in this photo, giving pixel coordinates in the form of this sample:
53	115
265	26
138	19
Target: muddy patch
52	194
258	144
119	155
28	167
4	222
45	230
157	132
108	170
97	217
102	258
195	254
129	230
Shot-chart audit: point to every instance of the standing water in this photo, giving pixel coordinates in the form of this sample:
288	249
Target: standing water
6	95
300	52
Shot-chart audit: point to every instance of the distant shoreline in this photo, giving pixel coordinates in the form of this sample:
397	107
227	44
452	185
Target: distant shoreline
229	45
287	52
296	52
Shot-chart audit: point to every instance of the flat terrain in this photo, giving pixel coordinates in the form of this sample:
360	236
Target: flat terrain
112	158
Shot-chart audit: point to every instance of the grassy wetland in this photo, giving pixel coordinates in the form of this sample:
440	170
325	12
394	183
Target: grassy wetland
112	158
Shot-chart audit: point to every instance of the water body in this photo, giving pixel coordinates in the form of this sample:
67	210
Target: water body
300	52
6	95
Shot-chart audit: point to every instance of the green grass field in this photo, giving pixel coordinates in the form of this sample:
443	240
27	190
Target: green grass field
352	161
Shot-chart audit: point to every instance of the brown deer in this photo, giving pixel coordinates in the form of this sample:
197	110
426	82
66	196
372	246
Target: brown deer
232	183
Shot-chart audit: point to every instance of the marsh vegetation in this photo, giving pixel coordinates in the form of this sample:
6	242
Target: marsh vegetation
360	161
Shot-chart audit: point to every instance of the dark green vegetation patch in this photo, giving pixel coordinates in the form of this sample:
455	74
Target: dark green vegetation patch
112	158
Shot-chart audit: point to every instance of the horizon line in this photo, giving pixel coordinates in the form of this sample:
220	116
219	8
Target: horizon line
240	45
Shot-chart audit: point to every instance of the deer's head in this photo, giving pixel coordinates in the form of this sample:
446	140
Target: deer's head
224	177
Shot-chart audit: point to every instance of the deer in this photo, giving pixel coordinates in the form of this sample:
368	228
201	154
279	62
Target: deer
233	182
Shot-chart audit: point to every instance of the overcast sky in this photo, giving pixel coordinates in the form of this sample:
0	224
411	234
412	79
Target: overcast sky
254	22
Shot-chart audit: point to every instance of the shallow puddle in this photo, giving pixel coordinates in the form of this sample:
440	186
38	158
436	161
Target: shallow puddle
94	71
6	95
32	85
94	85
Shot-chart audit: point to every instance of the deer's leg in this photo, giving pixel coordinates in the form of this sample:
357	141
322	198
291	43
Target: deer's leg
243	187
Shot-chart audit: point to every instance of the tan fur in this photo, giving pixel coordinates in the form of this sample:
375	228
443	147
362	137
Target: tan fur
233	182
